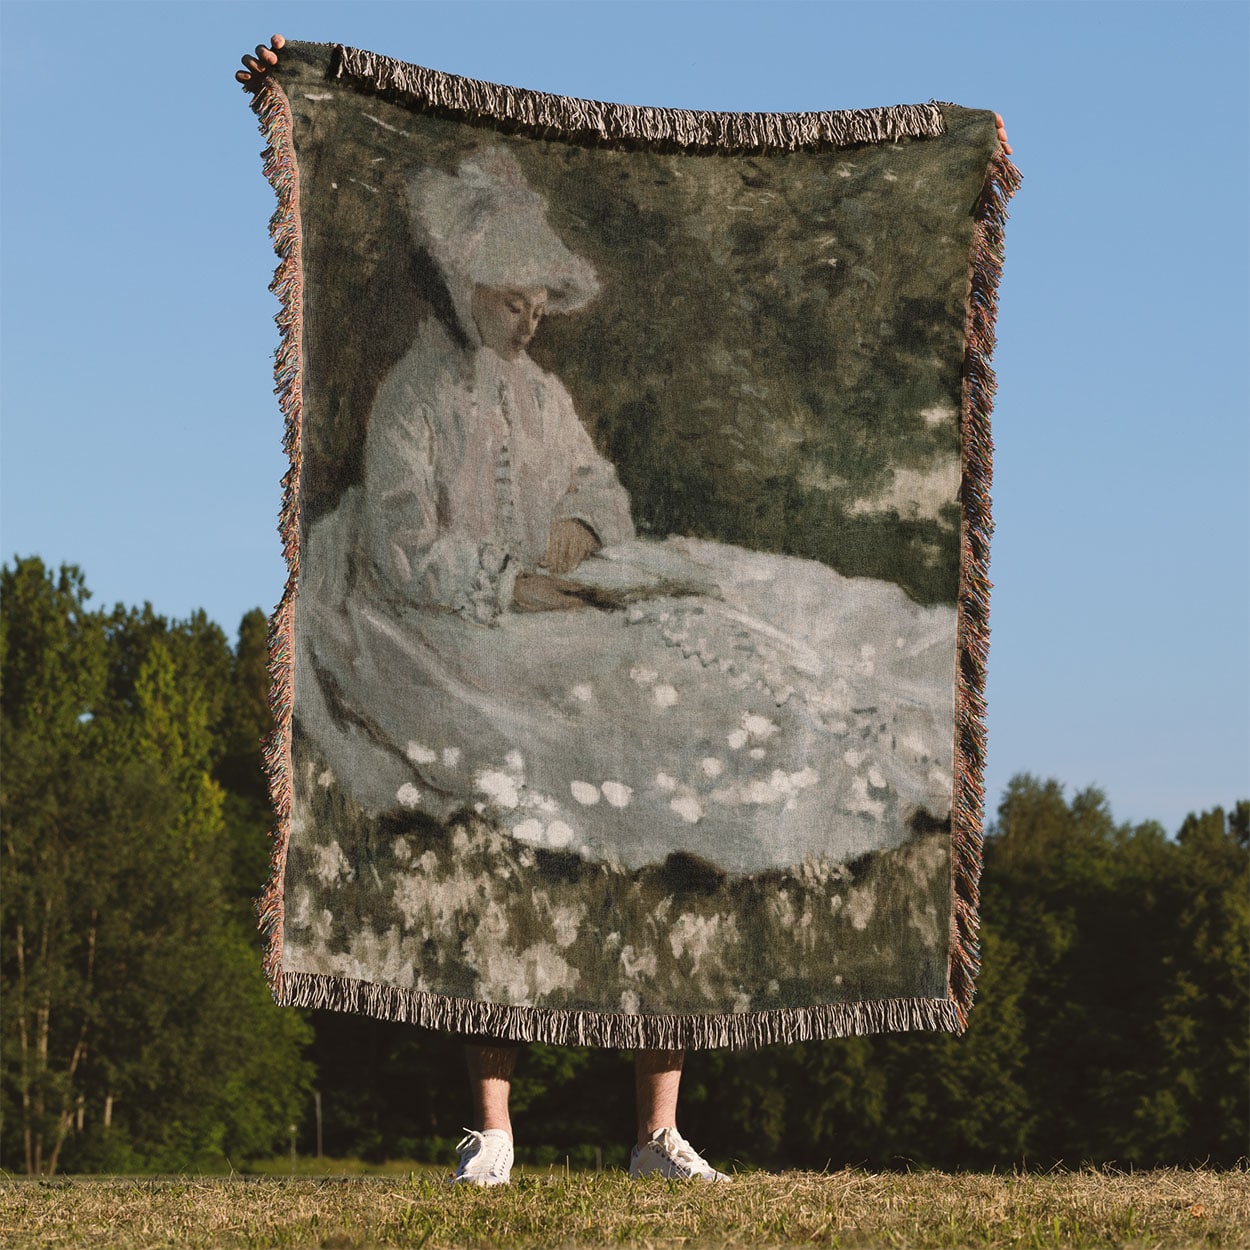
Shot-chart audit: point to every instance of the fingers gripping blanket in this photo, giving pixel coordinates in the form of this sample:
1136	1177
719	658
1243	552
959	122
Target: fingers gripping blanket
628	676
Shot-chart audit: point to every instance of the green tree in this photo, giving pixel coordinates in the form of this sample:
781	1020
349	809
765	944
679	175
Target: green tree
53	669
1134	952
141	1032
246	723
1199	1110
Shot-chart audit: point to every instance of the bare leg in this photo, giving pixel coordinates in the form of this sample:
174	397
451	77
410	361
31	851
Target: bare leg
490	1079
657	1078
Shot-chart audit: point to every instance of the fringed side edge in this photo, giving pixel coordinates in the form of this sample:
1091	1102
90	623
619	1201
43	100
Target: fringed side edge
686	128
274	112
613	1029
973	630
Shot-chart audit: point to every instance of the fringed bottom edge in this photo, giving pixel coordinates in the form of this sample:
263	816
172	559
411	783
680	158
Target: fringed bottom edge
736	1031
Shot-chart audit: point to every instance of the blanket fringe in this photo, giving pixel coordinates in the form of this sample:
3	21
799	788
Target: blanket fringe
608	123
973	629
274	112
618	1030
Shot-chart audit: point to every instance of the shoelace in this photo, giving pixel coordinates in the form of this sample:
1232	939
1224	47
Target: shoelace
682	1152
496	1145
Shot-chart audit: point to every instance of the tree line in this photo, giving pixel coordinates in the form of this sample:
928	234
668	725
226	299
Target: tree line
138	1033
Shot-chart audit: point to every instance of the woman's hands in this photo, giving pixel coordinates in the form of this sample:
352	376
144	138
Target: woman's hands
536	592
260	64
568	544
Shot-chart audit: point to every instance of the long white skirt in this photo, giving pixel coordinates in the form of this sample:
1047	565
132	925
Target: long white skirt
781	713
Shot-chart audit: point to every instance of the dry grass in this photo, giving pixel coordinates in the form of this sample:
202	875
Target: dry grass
1169	1208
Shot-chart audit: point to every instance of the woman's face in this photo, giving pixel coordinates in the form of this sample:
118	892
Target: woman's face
506	317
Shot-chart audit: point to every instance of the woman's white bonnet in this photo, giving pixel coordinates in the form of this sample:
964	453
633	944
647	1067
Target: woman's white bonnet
484	226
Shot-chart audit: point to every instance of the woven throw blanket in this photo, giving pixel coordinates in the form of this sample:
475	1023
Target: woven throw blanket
628	677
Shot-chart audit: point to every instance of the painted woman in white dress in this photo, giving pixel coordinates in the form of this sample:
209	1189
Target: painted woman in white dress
481	631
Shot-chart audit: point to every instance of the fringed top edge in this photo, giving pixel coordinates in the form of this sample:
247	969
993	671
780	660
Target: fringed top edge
685	128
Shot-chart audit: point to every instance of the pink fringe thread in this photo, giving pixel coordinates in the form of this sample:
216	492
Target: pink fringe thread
973	630
273	109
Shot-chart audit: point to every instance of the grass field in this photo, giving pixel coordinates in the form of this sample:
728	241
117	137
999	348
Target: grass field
843	1209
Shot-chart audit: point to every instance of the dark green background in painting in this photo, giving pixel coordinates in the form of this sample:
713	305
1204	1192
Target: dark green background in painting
771	326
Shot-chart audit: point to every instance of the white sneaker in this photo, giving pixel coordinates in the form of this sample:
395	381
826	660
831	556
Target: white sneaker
668	1153
485	1158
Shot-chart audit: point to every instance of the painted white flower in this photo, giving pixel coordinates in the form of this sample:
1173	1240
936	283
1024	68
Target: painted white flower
514	761
737	739
664	782
529	831
326	779
401	850
301	915
688	808
635	964
419	754
711	766
408	795
757	753
451	757
938	414
665	696
862	801
582	693
559	834
761	792
565	922
332	864
499	788
616	793
584	792
759	727
875	779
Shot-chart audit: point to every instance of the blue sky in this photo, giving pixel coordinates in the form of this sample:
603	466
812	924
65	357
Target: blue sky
141	439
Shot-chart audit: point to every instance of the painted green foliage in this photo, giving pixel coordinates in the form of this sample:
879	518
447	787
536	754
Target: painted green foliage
469	912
